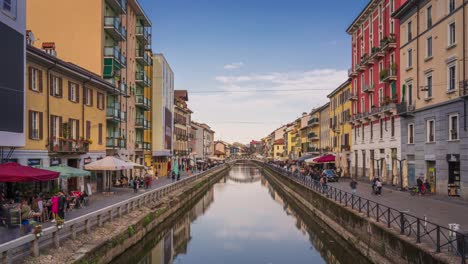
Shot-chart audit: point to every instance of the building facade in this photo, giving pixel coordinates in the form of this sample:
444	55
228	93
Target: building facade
208	141
433	95
324	118
66	115
113	43
278	150
375	78
340	128
162	114
182	120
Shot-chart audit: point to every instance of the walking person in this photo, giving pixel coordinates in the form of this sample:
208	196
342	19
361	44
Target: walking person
55	207
419	182
62	205
135	185
378	184
353	185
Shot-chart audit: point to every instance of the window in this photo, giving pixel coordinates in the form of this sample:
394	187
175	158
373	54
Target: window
451	36
100	101
429	47
371	101
88	129
371	126
88	96
74	129
451	77
9	8
430	131
453	127
451	6
371	77
55	86
410	58
55	127
410	133
35	125
362	82
73	92
362	105
392	121
35	79
380	96
429	17
381	128
363	129
428	86
410	93
409	33
380	70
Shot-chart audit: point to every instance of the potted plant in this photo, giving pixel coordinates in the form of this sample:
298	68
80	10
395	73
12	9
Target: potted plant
59	222
383	74
37	231
393	67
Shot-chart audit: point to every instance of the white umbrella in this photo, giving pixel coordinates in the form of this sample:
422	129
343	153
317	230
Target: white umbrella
405	174
109	163
371	171
395	173
384	171
135	165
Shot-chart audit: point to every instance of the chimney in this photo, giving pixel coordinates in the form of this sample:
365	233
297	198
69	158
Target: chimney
49	48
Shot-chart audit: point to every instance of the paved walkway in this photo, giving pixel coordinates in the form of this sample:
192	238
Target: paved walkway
438	209
96	202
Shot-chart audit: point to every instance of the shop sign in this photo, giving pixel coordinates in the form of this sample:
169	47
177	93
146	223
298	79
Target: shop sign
55	161
34	162
453	157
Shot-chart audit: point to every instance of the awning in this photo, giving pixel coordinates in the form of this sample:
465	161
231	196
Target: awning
135	165
305	157
109	163
68	172
323	159
13	172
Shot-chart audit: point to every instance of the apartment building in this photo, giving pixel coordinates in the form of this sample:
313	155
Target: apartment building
114	44
340	128
434	94
208	140
314	135
278	150
182	120
162	113
66	115
375	77
324	119
12	63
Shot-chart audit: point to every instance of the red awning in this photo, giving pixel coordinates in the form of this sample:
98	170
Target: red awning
325	159
13	172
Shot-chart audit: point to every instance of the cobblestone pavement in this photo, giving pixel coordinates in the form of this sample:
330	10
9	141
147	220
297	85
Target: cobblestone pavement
437	208
96	201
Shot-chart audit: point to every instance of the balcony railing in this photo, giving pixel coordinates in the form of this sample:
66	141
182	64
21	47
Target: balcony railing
353	96
141	122
119	6
114	27
114	53
113	113
313	122
142	101
368	88
142	57
345	147
388	43
115	142
389	74
352	73
180	121
313	136
65	145
463	92
142	79
405	109
142	33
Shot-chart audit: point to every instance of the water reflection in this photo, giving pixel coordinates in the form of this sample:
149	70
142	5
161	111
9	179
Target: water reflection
242	219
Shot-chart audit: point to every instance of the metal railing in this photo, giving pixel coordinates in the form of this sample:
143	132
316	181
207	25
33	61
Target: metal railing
421	231
21	247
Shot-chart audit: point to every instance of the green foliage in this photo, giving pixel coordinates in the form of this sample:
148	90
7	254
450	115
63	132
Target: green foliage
131	231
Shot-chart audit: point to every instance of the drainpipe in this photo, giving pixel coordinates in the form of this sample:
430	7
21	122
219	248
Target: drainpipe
48	101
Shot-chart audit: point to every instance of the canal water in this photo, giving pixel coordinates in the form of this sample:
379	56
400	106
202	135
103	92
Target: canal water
242	219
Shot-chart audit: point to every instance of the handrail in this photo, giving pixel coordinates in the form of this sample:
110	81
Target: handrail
429	233
100	215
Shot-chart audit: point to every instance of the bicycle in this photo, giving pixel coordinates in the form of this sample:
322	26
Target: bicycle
406	224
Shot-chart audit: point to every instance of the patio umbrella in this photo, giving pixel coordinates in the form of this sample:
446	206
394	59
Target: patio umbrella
371	171
68	172
13	172
405	174
108	163
337	161
325	159
395	173
384	171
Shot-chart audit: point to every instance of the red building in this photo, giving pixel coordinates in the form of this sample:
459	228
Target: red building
376	94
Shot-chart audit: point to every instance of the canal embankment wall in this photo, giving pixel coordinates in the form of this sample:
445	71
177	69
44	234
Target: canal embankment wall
372	239
113	237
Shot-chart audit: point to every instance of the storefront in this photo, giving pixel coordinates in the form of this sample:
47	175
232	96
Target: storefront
454	185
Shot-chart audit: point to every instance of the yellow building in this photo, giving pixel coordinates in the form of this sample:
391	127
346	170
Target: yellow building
278	150
103	36
66	115
340	128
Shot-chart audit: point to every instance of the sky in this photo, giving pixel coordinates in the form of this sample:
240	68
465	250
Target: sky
225	51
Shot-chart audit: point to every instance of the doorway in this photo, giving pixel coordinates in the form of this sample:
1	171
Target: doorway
454	187
431	175
72	163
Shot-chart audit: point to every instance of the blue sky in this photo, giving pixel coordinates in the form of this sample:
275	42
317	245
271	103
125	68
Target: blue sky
239	45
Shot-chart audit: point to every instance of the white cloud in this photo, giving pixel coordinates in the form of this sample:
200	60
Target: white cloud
243	112
233	66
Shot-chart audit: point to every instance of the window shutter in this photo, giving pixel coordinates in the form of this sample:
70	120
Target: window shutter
30	124
60	88
77	93
69	91
88	129
30	80
60	127
40	80
51	84
91	101
77	129
41	126
100	135
52	125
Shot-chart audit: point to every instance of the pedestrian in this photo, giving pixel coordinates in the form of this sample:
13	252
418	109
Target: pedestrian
378	184
55	206
178	176
173	176
135	185
419	182
427	186
62	205
353	185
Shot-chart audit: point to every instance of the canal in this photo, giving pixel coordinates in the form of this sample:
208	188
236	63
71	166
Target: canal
242	219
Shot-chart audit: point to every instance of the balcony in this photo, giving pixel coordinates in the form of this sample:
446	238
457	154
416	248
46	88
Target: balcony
389	74
361	67
336	129
146	146
142	79
139	146
463	92
313	150
142	57
69	146
368	88
141	122
142	33
118	60
345	147
313	122
404	109
375	111
313	137
115	143
142	102
388	43
353	96
119	6
113	26
376	54
389	108
352	73
114	114
180	121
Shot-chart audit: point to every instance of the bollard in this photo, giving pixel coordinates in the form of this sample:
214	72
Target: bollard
73	231
88	226
128	208
5	257
35	247
111	217
99	219
56	239
120	211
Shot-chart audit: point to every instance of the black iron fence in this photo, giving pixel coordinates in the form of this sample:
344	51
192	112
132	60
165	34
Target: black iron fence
440	239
